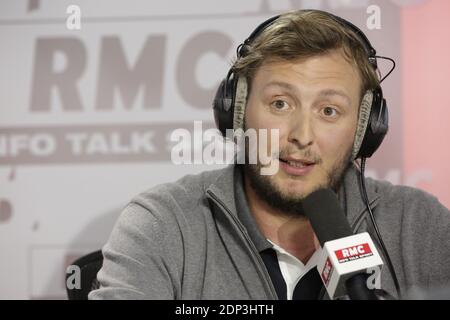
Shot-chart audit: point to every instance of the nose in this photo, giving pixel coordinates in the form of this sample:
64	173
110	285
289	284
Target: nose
301	131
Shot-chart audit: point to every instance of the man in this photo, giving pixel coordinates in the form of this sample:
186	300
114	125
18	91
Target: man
238	234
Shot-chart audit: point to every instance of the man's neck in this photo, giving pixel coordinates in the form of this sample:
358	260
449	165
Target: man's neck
293	234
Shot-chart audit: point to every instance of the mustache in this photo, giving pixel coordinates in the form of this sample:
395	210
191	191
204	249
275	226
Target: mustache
306	155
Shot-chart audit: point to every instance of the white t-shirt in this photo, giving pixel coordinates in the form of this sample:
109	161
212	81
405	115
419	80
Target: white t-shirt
292	268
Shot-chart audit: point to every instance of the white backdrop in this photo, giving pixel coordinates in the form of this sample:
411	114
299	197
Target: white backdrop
85	114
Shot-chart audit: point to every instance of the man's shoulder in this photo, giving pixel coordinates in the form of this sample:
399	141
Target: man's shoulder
402	196
185	192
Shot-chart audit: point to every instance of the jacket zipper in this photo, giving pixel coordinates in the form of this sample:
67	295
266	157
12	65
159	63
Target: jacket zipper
255	252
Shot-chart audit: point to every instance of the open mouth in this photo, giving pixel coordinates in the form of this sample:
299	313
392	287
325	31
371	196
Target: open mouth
296	167
297	163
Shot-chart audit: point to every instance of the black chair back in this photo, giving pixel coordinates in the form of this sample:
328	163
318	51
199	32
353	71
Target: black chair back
89	266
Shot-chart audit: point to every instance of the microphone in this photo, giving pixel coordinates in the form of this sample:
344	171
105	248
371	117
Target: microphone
346	258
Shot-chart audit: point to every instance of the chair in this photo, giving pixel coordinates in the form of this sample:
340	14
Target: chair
89	265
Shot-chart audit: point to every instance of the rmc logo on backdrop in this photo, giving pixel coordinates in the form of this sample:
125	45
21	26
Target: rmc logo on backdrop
117	77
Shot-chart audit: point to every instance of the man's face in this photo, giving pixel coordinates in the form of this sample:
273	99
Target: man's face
314	103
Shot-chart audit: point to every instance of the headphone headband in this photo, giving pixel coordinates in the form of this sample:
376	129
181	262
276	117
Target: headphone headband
242	49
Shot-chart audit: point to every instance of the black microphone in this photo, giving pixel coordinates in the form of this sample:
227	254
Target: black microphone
345	256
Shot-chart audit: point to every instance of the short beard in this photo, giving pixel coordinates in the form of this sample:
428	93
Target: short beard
289	206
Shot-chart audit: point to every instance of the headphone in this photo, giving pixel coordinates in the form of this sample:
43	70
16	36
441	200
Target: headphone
231	96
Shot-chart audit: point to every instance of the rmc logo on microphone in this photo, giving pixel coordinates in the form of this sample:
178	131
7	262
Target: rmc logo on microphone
353	253
327	272
344	257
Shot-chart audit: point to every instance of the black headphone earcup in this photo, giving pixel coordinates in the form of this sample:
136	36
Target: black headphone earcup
377	126
223	105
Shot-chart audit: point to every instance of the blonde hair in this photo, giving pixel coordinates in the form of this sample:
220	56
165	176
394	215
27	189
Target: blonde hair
303	34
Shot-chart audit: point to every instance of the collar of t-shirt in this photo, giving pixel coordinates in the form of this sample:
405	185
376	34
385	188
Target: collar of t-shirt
292	268
285	270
